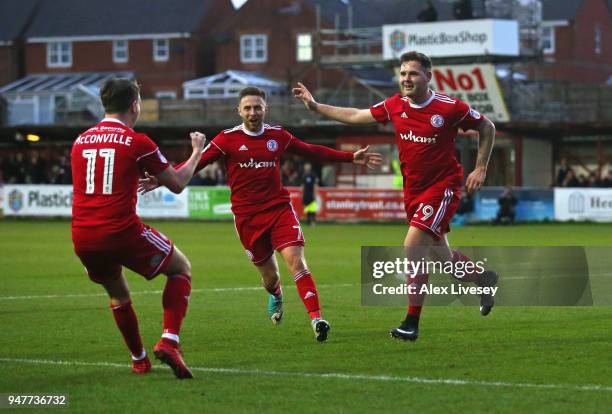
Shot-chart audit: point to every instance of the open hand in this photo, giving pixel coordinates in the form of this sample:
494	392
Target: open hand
149	183
304	95
475	180
369	159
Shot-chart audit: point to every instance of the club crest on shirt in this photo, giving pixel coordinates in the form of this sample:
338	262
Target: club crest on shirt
437	121
156	260
272	145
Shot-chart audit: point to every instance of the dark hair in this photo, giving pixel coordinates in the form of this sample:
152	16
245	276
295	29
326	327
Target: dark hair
117	94
252	91
423	59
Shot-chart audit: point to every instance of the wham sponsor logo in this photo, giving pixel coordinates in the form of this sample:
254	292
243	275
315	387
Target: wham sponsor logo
415	138
257	164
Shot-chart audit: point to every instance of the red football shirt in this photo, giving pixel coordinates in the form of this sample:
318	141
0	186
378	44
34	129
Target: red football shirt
425	137
107	161
253	164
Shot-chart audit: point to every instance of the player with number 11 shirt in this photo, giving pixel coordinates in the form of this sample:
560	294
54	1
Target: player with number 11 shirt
107	161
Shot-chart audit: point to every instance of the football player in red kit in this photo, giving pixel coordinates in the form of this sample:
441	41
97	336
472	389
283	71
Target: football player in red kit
426	124
264	217
107	161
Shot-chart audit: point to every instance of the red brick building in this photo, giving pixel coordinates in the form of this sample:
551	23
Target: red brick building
279	38
163	42
15	15
577	41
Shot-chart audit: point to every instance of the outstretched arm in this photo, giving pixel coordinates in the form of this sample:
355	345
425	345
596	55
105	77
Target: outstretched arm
326	154
345	115
486	139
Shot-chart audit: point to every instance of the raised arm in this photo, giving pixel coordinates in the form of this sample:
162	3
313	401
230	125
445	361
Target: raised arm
345	115
486	139
176	180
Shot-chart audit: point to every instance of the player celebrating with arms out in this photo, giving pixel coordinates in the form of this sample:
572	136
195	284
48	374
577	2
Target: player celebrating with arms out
107	161
264	217
426	124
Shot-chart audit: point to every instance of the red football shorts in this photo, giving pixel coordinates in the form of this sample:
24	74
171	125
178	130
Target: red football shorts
272	229
433	209
145	251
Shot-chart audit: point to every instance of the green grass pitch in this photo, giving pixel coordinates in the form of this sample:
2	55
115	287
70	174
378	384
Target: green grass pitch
58	335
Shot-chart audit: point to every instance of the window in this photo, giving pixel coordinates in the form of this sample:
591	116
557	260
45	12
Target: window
165	95
253	48
547	39
120	51
161	50
304	47
598	48
59	54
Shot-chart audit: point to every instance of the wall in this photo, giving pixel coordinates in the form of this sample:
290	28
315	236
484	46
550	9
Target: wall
537	163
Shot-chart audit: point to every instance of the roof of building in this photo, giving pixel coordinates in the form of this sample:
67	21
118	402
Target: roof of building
406	11
60	18
14	16
235	77
56	82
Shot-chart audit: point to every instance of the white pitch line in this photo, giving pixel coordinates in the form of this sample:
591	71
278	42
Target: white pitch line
334	375
148	292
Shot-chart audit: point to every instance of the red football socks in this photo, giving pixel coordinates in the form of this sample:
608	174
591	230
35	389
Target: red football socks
308	293
415	296
469	276
276	290
175	300
127	322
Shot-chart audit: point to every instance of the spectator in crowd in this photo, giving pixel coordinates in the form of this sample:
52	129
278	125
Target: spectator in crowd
562	173
37	169
310	183
328	175
607	182
207	177
16	169
289	174
428	13
61	172
507	207
570	179
466	203
462	9
593	180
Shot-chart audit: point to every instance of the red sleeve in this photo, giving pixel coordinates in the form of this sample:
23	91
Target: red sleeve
380	112
466	117
210	154
317	152
148	156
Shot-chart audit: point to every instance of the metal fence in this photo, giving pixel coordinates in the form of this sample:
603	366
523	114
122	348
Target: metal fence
557	103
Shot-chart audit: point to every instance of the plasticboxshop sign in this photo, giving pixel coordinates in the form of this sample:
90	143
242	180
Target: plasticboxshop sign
448	39
37	200
56	201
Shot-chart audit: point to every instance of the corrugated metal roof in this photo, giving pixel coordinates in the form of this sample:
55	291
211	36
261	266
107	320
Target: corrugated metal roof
55	82
235	77
14	15
58	18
